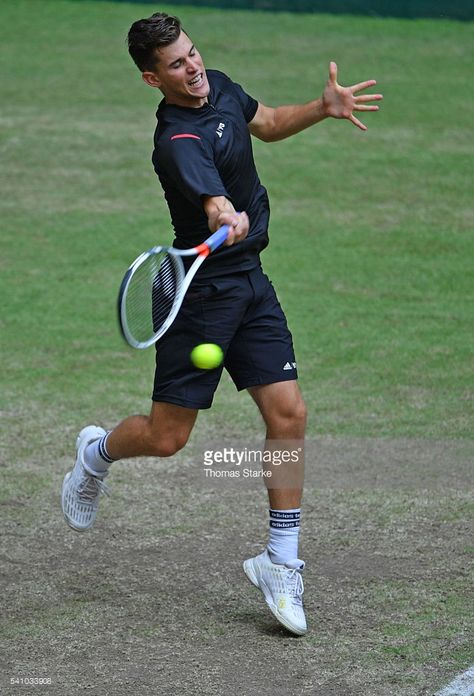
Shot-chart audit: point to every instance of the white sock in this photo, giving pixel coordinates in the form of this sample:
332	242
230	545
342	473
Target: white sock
284	533
96	457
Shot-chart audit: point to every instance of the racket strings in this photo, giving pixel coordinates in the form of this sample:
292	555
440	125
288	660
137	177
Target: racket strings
163	292
151	295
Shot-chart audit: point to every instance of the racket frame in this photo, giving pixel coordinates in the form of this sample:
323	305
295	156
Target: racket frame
184	279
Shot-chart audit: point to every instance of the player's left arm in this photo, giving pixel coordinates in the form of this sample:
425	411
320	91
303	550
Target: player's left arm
270	124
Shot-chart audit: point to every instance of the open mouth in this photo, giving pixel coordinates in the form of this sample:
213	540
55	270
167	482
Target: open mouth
197	81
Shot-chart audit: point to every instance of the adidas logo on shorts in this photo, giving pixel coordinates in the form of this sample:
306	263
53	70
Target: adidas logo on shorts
290	366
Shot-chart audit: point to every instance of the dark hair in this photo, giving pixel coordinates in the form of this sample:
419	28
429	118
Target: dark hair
148	35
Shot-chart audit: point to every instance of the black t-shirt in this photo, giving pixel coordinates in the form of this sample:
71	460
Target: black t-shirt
208	152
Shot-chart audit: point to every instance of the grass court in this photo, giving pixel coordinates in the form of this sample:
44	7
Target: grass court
371	254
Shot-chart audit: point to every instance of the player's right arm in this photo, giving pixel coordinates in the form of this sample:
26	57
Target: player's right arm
220	211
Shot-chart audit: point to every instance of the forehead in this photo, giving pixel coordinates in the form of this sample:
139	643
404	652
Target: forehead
178	49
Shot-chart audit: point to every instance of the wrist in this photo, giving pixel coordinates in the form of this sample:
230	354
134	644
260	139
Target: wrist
321	109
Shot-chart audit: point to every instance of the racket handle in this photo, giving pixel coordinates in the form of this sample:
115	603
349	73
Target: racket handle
218	238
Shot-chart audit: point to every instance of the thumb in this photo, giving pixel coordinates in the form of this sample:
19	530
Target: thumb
333	72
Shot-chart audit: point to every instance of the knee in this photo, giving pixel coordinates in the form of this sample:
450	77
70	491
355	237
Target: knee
297	413
303	412
167	445
289	418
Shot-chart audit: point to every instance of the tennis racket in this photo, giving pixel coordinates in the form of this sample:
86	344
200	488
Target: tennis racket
153	289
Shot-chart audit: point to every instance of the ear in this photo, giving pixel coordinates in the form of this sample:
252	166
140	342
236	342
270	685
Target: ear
151	79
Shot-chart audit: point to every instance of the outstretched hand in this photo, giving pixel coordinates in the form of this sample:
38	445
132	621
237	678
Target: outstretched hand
341	102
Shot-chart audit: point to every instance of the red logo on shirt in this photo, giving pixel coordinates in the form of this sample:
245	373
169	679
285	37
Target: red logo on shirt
185	135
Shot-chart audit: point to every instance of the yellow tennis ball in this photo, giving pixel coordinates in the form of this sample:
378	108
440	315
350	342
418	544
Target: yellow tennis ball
207	356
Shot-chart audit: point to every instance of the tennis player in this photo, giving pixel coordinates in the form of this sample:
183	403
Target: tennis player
203	158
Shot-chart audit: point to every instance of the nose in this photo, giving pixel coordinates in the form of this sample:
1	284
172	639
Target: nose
192	65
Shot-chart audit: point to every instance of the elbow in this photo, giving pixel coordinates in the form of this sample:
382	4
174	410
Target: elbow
269	135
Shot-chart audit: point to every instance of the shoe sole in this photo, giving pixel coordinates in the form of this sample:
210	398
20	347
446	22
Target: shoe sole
249	571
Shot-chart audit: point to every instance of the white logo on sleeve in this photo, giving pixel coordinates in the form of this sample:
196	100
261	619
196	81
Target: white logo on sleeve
220	129
290	366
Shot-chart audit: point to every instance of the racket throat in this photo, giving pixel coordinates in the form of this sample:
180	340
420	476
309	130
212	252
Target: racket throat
203	249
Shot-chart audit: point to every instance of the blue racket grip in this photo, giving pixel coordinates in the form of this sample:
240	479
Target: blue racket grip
218	238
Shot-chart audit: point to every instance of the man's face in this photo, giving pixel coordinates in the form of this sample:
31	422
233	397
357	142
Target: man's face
180	74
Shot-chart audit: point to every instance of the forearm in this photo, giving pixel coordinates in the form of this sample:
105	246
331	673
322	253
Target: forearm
291	119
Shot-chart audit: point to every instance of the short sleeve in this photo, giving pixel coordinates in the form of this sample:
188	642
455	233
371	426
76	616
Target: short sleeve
187	162
249	104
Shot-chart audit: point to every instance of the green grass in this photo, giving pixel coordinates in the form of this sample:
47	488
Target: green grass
370	236
371	253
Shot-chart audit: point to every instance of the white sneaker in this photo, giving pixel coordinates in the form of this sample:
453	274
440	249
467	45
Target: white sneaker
282	587
81	490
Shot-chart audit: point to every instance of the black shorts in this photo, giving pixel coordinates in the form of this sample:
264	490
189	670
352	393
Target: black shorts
241	313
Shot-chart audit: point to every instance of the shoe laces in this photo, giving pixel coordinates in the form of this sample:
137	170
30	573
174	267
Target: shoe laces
90	487
295	583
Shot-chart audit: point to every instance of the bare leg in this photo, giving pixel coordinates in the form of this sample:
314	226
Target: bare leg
284	412
277	571
161	434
